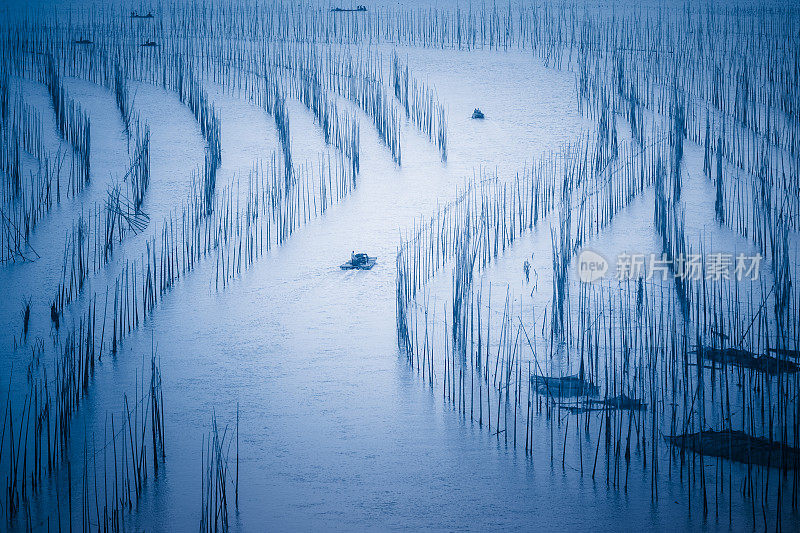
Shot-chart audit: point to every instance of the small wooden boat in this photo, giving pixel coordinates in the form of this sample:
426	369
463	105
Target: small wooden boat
763	363
478	114
564	386
621	403
740	447
135	15
150	44
359	262
83	41
795	354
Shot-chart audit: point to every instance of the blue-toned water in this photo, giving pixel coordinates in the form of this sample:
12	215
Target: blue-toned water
335	431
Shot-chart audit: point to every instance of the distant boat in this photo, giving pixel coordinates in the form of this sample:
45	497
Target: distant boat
135	15
149	43
349	10
477	114
359	262
83	41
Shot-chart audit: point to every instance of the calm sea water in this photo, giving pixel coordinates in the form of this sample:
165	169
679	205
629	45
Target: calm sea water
335	431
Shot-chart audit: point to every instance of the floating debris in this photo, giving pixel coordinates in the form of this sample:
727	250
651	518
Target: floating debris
740	447
564	386
359	262
478	114
747	359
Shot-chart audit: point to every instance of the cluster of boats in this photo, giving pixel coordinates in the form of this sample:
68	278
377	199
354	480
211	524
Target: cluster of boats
349	10
584	391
